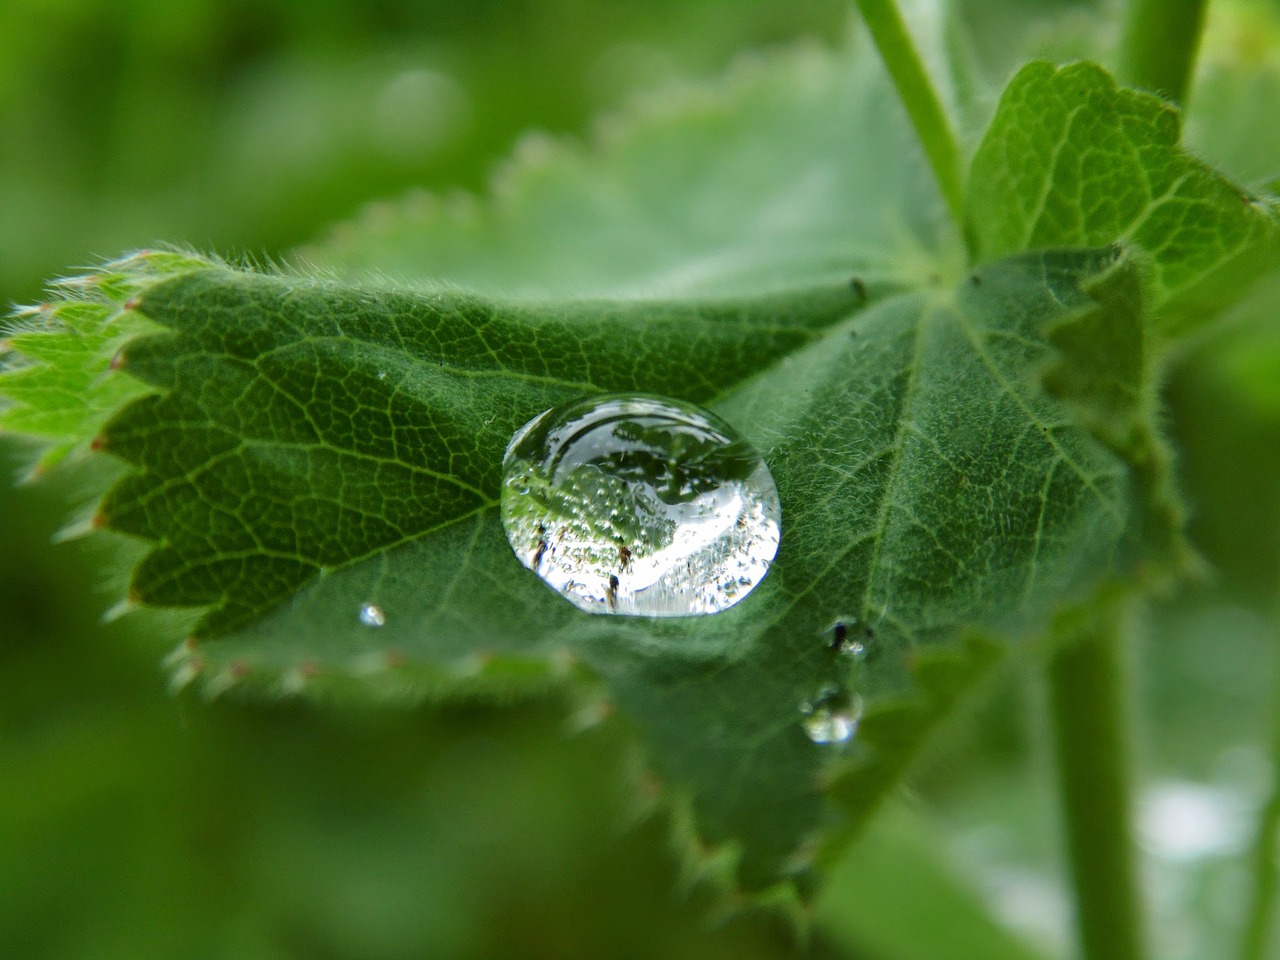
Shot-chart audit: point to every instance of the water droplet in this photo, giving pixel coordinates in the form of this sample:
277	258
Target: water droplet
639	505
371	615
846	636
832	716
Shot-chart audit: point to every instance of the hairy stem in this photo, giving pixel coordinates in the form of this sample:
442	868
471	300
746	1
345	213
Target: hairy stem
1159	43
1089	715
1260	925
920	99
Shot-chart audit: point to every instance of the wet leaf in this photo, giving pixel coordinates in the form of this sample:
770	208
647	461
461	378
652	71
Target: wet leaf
954	458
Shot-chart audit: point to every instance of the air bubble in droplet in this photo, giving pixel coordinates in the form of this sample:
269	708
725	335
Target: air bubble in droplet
639	505
832	716
372	615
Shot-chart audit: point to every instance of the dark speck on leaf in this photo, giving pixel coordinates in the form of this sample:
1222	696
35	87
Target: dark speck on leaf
841	634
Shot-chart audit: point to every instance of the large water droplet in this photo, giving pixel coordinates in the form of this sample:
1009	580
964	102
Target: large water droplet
832	716
372	615
640	505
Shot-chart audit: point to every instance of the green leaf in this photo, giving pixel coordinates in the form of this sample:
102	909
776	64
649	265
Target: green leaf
1072	160
60	380
796	168
327	424
929	486
308	446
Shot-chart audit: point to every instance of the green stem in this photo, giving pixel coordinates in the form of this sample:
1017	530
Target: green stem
919	97
1159	43
1260	927
1259	931
1087	700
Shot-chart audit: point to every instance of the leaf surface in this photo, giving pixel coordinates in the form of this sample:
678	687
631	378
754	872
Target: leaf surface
797	168
1073	160
930	486
945	449
304	425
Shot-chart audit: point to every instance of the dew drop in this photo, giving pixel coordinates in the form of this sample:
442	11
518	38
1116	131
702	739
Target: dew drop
371	615
639	505
832	716
847	636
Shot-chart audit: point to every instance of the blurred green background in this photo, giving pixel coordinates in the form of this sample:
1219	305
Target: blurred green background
134	824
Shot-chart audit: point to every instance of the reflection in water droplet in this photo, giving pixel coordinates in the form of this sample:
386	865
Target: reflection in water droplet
832	716
639	505
371	615
846	636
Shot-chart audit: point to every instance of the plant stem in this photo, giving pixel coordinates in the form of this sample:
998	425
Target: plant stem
920	99
1087	700
1159	43
1260	926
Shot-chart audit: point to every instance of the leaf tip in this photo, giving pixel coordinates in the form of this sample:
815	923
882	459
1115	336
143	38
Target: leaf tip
295	682
220	682
128	605
563	663
471	665
78	528
589	715
34	474
185	674
714	865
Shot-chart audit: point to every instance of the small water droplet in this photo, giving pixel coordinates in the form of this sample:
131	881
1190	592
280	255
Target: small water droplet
847	636
640	505
832	716
371	615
